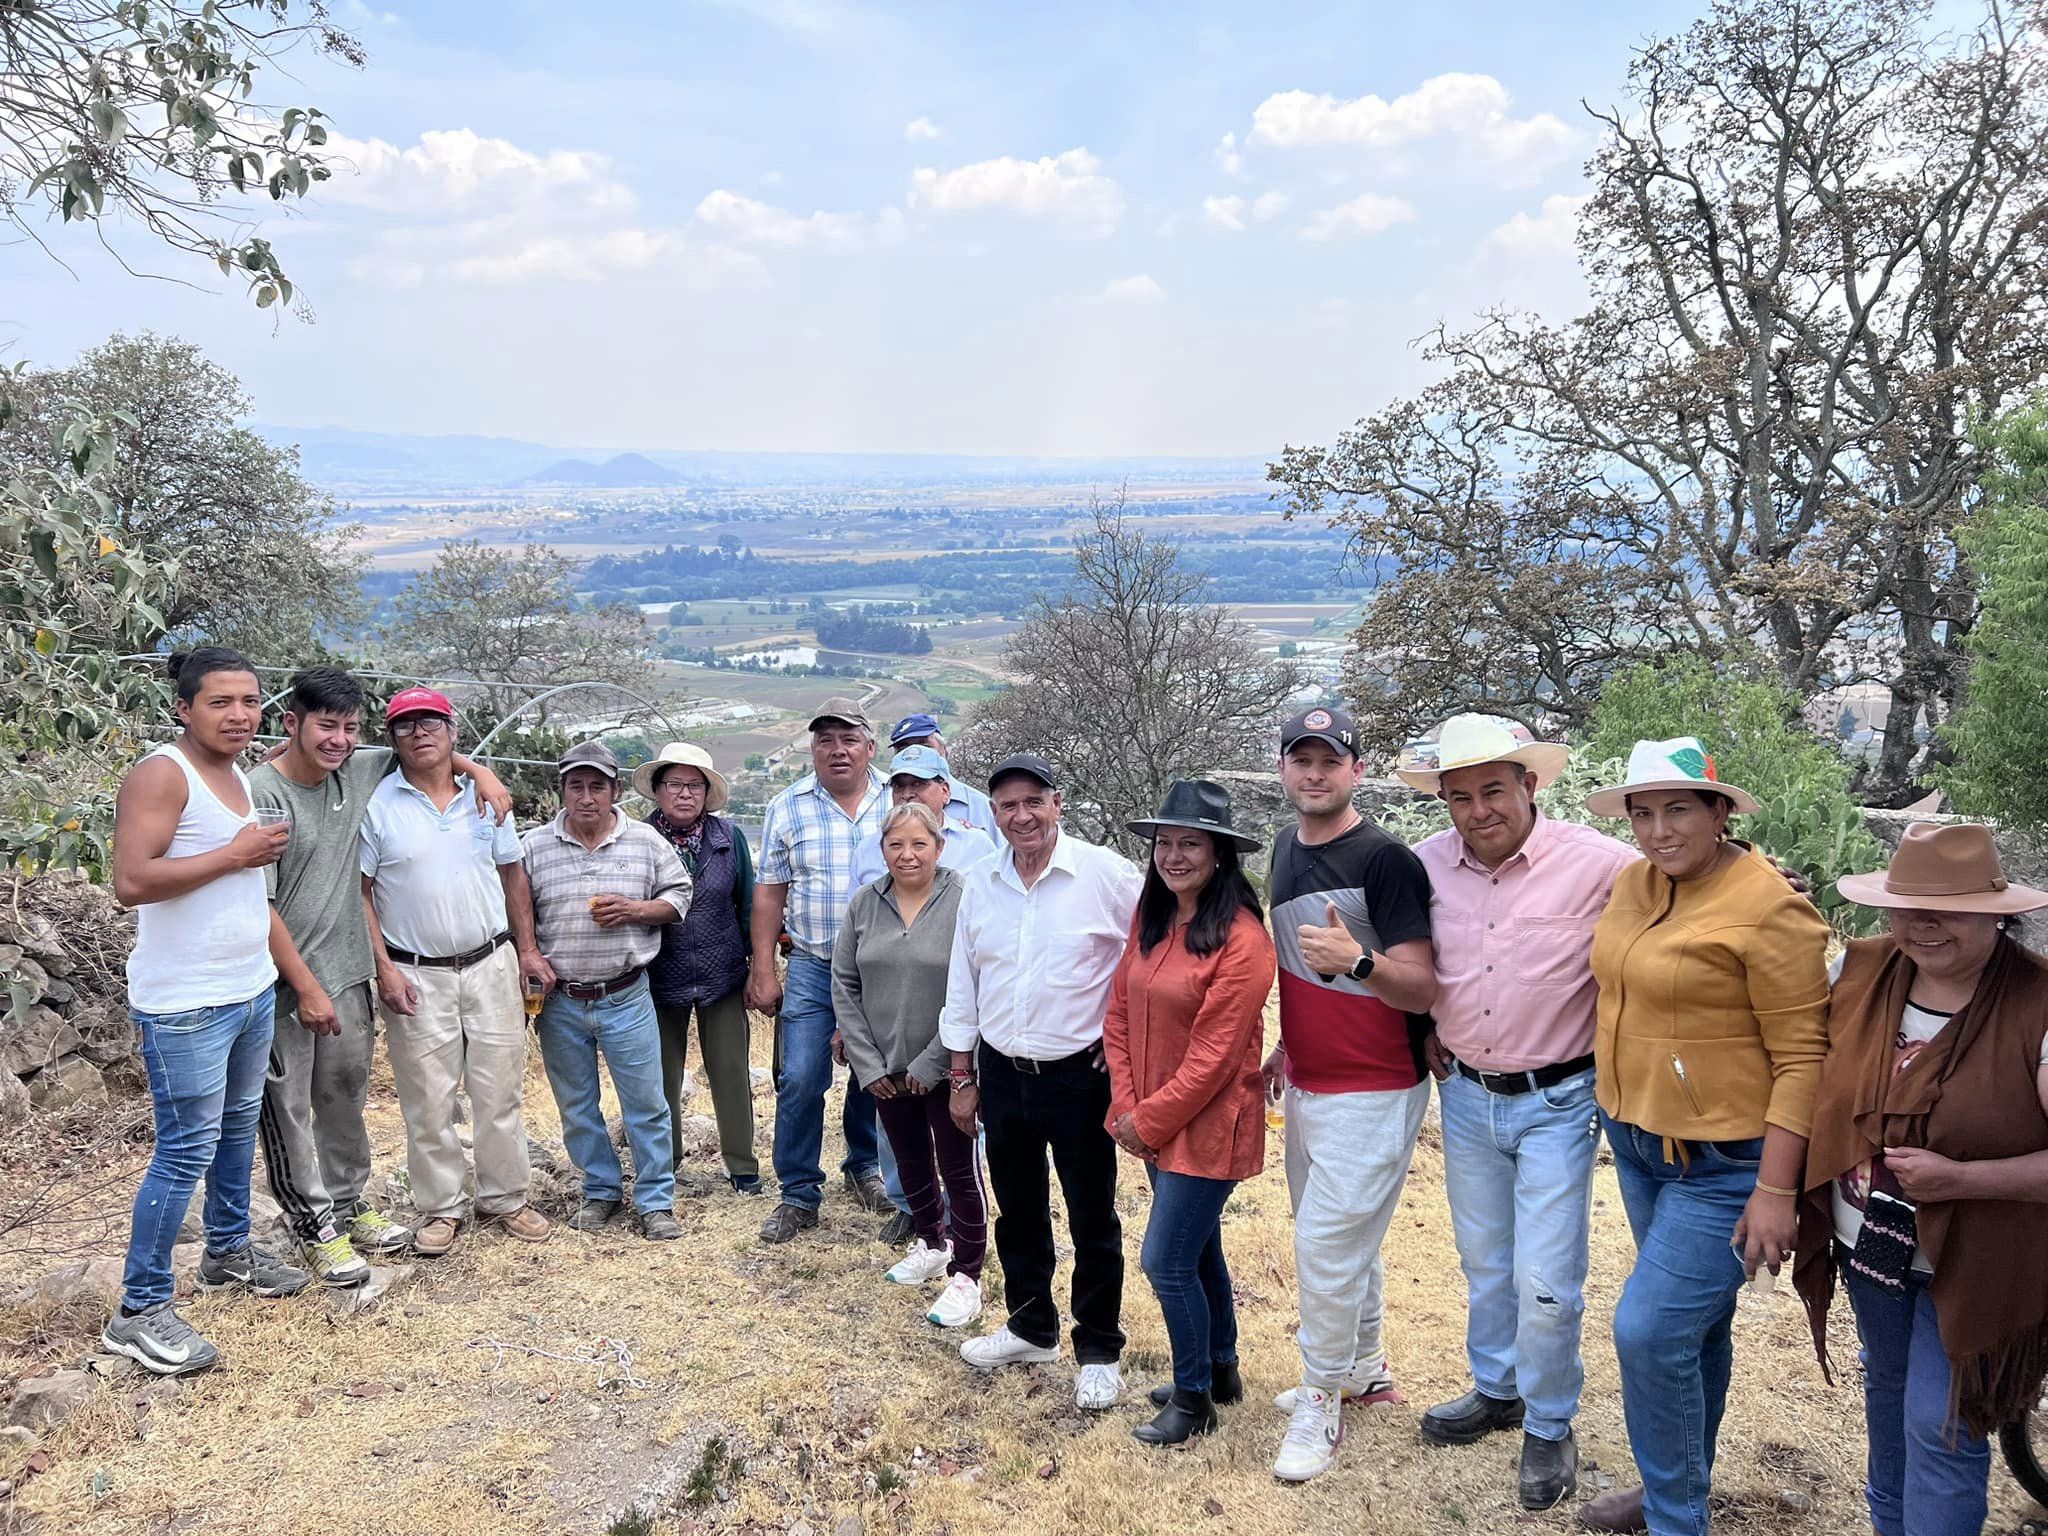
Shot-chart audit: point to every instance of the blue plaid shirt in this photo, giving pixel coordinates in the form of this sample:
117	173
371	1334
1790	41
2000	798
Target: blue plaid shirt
807	844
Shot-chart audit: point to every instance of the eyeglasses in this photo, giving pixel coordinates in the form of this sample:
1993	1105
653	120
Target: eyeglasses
431	724
674	786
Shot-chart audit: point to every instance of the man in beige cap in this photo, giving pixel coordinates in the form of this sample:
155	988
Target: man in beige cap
805	883
1514	896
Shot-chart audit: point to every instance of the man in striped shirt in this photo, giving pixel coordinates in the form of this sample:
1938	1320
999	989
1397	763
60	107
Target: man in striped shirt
805	883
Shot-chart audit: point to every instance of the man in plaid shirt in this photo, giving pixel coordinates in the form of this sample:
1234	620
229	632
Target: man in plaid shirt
805	882
603	888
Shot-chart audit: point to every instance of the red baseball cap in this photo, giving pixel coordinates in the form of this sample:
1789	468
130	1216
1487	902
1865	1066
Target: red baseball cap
418	701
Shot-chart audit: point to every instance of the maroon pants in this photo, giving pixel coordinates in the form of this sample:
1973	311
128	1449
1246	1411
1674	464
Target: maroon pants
929	1147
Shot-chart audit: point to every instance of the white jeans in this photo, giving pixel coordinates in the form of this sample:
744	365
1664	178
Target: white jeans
470	1029
1347	1158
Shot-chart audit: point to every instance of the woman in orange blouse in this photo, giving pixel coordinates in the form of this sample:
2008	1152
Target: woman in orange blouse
1183	1036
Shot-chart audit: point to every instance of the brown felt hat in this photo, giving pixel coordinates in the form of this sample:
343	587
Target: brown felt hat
1939	867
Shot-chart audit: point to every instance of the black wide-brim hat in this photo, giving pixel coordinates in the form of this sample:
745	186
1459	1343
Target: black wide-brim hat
1199	804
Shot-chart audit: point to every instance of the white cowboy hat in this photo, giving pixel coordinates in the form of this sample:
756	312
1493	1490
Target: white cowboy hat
1466	741
683	754
1680	763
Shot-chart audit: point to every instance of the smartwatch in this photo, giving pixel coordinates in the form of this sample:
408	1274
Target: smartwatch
1362	966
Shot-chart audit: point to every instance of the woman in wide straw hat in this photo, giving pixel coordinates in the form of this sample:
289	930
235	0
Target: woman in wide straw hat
1711	1026
703	961
1183	1038
1927	1176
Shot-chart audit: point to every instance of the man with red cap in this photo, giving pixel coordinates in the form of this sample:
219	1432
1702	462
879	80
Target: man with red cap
446	895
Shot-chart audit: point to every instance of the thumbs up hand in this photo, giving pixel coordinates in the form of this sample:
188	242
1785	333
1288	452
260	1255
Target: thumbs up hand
1329	948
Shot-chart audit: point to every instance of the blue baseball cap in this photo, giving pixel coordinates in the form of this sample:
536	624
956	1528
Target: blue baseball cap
910	727
920	762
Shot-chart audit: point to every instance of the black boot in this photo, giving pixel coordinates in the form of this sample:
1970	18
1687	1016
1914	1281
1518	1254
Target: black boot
1226	1386
1185	1414
1550	1471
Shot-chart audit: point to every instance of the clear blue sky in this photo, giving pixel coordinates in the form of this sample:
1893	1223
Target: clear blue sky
1090	228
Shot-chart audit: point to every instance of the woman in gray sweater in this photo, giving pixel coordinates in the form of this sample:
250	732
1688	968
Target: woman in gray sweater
888	985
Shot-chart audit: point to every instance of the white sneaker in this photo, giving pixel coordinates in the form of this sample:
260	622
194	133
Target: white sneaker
1312	1438
1365	1384
920	1264
959	1303
1099	1386
993	1350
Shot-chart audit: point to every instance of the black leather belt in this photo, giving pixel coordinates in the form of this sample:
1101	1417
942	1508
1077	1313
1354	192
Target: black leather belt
1526	1082
591	991
1033	1068
483	951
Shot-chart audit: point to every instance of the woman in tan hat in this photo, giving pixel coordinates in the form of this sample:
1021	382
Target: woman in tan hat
1711	1026
703	959
1927	1176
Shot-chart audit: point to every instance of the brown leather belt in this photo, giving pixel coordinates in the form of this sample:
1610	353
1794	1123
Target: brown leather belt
483	951
591	991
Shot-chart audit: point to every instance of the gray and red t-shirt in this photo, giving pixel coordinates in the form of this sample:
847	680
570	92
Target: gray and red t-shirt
1339	1038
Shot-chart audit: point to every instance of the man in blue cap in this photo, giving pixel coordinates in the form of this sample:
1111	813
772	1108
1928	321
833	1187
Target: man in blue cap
967	803
921	774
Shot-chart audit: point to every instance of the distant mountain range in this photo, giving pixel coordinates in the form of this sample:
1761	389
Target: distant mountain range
391	463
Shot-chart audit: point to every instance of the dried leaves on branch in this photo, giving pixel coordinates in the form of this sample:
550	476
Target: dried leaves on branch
1817	248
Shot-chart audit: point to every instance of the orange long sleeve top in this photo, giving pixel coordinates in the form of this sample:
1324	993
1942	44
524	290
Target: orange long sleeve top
1183	1036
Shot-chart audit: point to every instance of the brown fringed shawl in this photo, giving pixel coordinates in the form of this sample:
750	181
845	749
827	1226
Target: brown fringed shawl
1969	1094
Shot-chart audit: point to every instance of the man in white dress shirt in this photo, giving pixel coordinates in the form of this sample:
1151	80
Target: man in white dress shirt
1040	932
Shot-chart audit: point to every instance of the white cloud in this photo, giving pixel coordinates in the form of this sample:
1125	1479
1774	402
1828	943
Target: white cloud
1471	108
1068	187
921	130
1228	157
1369	214
1550	232
455	168
1141	289
751	222
1269	205
578	259
1225	212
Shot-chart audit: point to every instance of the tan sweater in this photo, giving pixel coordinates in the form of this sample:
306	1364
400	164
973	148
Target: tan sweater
1713	1002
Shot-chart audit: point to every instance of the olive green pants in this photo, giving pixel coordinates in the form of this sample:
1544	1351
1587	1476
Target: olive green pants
722	1041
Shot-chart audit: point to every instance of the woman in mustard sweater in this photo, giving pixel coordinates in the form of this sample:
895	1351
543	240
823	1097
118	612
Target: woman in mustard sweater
1712	1028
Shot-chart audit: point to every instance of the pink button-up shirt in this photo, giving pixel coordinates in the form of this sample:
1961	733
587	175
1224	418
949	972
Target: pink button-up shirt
1515	988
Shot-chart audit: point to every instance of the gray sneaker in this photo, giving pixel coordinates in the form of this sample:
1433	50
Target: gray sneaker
251	1269
158	1340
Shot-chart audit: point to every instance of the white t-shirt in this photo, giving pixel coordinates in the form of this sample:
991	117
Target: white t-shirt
434	874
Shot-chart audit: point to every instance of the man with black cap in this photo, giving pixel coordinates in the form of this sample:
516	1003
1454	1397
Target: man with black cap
966	803
806	883
1351	924
1041	929
603	887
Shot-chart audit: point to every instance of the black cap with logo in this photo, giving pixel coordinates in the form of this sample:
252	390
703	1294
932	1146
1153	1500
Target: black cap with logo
1024	762
1326	722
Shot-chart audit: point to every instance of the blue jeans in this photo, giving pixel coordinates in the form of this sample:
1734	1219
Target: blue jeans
1919	1484
804	1072
1183	1258
623	1027
1672	1326
1518	1171
206	1070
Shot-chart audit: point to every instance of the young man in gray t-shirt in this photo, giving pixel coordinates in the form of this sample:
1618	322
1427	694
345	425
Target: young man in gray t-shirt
316	1149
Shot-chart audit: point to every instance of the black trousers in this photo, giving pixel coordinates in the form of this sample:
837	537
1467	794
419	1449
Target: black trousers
1059	1110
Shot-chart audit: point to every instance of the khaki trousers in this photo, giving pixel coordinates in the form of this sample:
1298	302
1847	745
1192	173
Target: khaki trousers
469	1031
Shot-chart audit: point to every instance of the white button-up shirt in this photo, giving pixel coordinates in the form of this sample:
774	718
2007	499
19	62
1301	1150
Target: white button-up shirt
434	874
1031	969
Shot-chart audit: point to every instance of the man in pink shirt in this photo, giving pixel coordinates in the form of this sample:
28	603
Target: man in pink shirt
1513	900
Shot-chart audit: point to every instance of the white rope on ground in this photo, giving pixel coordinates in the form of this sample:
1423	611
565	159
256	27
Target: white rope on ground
603	1353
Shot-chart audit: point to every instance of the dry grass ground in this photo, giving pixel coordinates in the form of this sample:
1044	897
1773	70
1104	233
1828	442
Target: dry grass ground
772	1387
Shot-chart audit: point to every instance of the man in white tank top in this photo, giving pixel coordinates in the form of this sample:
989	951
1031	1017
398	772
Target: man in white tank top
189	856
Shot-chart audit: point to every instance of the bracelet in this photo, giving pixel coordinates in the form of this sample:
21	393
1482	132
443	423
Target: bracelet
961	1079
1772	1189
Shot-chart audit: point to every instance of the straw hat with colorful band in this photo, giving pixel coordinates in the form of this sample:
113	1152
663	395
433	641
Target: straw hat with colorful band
1943	868
1467	741
684	754
1680	763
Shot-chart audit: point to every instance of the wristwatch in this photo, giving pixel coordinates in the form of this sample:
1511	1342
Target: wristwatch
1362	966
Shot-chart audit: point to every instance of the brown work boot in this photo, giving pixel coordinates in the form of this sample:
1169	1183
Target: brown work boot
526	1224
1618	1510
435	1236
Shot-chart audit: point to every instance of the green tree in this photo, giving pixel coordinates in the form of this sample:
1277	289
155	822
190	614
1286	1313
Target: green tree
149	114
1997	735
262	565
1751	728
